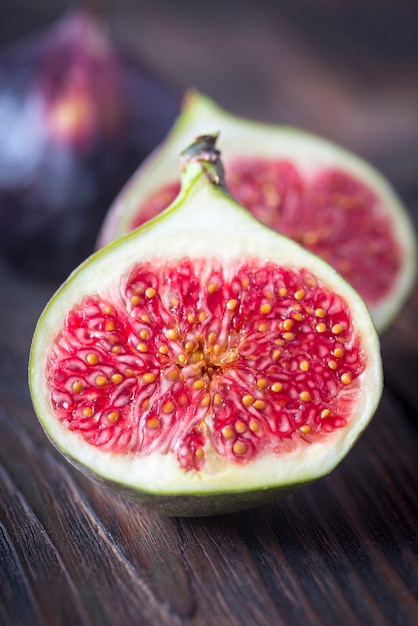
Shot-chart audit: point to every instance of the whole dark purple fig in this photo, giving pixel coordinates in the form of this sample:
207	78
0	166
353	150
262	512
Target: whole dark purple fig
77	116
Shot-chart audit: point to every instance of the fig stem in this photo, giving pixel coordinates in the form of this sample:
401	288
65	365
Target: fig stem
203	151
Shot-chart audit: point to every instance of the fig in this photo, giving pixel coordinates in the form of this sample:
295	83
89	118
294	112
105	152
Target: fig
205	363
77	116
307	188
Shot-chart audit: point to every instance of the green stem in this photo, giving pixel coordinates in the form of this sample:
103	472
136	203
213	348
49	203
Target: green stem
203	151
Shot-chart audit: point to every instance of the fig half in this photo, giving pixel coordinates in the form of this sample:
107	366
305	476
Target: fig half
205	363
327	199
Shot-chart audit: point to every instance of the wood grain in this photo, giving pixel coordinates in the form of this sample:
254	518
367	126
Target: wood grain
342	551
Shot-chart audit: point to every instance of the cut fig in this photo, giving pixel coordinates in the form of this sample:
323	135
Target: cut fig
205	363
327	199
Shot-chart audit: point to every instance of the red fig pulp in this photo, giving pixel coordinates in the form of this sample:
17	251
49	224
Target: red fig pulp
262	352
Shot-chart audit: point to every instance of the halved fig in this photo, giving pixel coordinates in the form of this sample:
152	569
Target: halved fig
205	363
322	196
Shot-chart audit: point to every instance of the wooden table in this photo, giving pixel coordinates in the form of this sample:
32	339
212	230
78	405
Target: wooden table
343	551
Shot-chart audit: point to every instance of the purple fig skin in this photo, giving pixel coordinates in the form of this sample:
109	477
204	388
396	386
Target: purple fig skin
77	116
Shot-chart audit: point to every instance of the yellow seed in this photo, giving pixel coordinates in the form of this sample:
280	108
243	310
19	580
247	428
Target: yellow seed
299	294
135	300
217	399
245	282
198	384
305	429
247	400
337	329
212	337
282	292
144	333
200	453
288	324
320	312
217	349
92	359
174	302
110	325
113	339
148	377
289	336
212	287
202	427
262	383
101	381
277	387
130	372
205	401
163	349
172	334
142	347
202	316
116	378
191	317
181	359
304	365
297	316
254	426
276	354
338	353
259	404
189	346
265	308
239	447
87	412
113	416
227	432
145	404
153	423
232	304
168	407
325	413
240	426
107	310
346	378
262	327
279	342
332	364
173	374
321	327
150	292
305	396
116	349
145	318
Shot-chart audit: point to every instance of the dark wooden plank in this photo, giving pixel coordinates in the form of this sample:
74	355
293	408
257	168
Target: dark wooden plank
43	590
400	358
